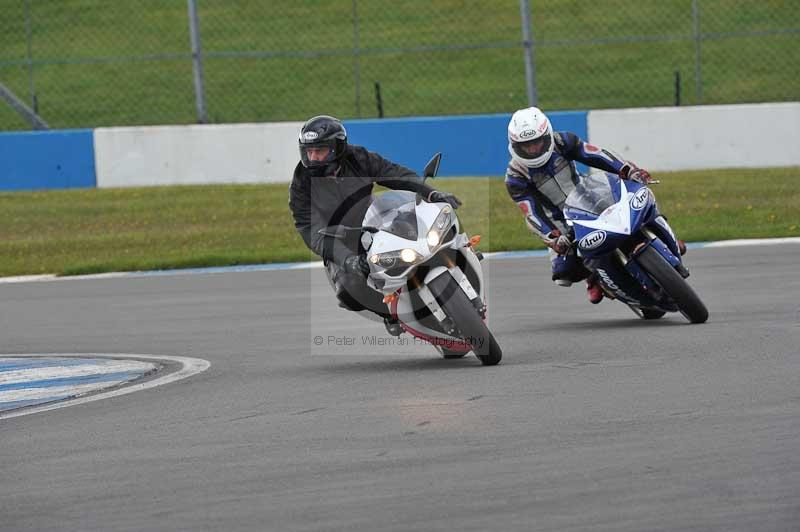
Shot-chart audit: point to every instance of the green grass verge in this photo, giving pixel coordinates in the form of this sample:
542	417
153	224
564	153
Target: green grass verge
88	231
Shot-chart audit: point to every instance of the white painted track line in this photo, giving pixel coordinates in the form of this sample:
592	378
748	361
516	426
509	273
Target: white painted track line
189	367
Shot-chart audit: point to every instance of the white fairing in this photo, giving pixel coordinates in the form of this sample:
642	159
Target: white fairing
530	124
381	214
616	218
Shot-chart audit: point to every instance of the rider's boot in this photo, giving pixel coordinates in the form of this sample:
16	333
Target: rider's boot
393	326
593	291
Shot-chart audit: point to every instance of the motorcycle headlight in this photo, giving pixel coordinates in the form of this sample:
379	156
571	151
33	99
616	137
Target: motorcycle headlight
392	258
440	226
409	255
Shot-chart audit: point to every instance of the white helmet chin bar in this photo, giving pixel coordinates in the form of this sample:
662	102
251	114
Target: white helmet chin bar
526	125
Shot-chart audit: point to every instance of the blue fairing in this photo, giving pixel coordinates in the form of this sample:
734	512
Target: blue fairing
597	195
611	241
614	181
596	201
641	213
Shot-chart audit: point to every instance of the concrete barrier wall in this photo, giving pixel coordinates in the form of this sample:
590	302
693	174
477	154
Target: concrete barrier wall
757	135
181	155
695	138
267	153
34	160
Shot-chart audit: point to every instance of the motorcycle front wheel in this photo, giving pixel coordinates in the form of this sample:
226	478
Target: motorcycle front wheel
673	284
458	308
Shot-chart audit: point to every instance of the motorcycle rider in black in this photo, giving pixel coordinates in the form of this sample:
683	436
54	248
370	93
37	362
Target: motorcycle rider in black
332	187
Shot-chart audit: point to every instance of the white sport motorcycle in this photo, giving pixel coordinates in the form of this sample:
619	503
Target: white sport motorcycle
428	271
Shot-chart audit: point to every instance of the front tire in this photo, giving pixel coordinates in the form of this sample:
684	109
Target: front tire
673	284
457	307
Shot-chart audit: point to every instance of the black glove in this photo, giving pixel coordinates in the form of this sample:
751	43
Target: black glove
438	196
356	264
631	172
558	242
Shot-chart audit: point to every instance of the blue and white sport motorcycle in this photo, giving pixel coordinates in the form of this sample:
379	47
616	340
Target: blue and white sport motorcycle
630	247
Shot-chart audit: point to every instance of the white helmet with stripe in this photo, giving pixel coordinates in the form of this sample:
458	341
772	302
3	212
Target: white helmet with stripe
530	137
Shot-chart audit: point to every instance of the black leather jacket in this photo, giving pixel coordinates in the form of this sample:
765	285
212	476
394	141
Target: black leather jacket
320	202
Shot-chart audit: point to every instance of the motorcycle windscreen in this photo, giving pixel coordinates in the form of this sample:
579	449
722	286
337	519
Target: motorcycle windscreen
394	211
593	194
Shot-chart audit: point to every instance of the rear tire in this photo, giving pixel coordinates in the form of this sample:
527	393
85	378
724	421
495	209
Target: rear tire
458	307
673	284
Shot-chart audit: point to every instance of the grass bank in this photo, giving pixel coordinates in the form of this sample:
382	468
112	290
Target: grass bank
88	231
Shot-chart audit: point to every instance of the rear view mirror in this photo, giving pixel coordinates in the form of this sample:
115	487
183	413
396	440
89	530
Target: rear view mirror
432	168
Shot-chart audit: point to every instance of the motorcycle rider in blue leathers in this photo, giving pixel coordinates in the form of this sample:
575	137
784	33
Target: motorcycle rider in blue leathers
540	176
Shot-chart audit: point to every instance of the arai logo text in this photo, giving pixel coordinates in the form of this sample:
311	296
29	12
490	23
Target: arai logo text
622	296
639	200
593	240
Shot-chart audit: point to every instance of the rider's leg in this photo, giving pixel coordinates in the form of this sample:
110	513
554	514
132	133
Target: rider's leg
569	268
353	294
561	267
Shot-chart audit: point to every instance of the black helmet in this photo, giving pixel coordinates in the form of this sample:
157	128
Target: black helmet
323	132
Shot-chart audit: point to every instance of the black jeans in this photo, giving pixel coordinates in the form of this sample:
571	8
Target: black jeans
353	293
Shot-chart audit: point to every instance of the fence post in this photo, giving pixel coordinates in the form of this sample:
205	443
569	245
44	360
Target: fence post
378	99
24	111
357	65
527	41
197	60
698	71
29	55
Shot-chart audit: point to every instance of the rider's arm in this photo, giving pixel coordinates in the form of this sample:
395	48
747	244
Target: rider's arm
395	176
380	166
576	149
300	205
535	217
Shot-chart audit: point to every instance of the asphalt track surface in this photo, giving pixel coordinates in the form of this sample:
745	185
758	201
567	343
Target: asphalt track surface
595	420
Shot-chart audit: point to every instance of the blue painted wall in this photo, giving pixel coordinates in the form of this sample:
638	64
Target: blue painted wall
473	145
35	160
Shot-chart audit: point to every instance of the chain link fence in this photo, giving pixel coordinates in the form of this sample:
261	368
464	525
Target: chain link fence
78	63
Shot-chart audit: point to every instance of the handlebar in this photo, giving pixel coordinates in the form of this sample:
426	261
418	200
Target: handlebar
340	231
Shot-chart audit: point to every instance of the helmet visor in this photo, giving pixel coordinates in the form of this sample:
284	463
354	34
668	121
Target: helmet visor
531	149
317	154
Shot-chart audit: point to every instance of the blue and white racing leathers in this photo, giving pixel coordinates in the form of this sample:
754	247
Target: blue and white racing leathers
541	192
